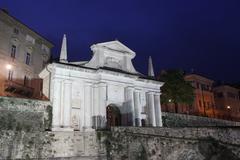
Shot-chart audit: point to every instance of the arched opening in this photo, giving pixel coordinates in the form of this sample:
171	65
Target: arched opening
113	116
143	121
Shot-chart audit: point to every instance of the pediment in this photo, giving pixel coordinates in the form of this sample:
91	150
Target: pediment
116	46
112	54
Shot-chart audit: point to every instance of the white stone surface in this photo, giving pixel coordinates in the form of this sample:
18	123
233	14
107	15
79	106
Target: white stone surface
108	78
150	67
63	54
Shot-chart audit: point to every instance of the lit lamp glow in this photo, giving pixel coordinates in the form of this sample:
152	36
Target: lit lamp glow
228	107
9	67
169	100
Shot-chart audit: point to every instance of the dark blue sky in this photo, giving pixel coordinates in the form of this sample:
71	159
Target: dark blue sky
203	35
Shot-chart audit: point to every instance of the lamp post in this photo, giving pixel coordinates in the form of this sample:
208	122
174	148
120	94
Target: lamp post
9	69
9	66
229	110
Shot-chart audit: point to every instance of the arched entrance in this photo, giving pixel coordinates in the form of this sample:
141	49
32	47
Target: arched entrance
143	121
113	116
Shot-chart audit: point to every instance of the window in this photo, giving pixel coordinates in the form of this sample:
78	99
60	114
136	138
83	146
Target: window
30	39
25	81
192	83
10	75
44	64
13	51
231	95
28	58
208	105
200	103
15	30
198	85
219	94
45	48
207	87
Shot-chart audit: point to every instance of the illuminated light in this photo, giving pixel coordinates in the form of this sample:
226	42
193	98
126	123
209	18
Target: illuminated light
8	66
228	107
169	100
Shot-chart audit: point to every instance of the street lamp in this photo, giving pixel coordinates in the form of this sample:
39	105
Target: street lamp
229	108
9	66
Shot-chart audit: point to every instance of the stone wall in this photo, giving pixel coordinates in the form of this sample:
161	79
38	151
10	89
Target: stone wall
51	145
24	114
174	143
25	134
184	120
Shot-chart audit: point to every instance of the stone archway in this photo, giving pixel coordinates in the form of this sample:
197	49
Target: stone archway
113	116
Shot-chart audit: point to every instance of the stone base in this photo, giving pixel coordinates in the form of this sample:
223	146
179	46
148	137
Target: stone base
62	129
88	129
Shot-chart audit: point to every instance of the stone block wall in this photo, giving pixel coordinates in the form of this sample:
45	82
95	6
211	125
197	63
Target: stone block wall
25	134
132	143
184	120
51	145
24	114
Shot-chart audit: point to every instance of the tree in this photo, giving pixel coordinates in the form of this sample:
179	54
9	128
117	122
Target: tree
175	89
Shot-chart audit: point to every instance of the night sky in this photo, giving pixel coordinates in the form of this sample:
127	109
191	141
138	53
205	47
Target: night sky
202	35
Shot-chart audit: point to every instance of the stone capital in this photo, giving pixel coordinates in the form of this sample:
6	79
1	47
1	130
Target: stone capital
67	81
157	94
88	83
102	84
150	93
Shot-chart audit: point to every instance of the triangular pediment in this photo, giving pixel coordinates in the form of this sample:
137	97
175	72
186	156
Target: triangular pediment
112	54
117	46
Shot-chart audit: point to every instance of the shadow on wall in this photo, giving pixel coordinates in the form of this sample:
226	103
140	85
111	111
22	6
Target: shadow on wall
98	122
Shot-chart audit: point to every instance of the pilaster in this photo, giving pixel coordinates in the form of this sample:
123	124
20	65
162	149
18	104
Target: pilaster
137	108
151	109
158	113
102	103
87	108
67	107
56	103
129	98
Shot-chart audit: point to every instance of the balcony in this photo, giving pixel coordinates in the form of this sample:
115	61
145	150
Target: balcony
16	89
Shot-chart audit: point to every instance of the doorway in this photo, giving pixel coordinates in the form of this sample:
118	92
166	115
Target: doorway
113	116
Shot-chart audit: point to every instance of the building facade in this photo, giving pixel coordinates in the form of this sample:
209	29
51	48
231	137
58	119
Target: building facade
23	54
105	91
227	102
204	103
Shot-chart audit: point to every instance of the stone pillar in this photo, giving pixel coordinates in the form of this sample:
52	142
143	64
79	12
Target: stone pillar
95	106
67	106
129	98
56	100
102	104
151	109
87	106
158	113
137	108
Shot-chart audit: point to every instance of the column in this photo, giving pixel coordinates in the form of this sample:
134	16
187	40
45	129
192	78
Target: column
67	107
95	106
151	109
158	113
87	106
102	104
137	108
56	99
129	98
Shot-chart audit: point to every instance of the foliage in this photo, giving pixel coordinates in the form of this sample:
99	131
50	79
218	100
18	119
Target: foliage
175	89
